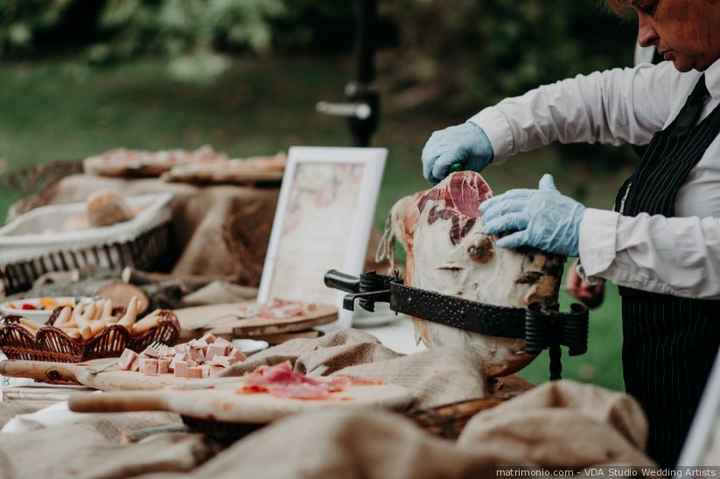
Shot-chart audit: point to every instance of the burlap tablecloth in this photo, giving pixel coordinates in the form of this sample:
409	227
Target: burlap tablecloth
561	424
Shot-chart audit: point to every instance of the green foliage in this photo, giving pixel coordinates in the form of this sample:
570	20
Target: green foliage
120	29
485	50
21	21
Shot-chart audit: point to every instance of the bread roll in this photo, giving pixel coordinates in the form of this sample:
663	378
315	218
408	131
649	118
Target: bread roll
106	208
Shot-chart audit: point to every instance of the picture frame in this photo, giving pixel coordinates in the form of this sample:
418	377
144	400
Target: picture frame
323	221
702	446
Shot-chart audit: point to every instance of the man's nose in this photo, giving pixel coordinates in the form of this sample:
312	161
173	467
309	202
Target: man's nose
647	36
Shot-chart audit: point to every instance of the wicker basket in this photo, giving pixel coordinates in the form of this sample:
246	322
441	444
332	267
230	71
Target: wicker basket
26	252
52	344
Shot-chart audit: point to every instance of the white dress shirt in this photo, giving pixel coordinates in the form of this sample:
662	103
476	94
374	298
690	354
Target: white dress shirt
679	256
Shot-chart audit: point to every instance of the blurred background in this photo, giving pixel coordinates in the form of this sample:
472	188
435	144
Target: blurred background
78	78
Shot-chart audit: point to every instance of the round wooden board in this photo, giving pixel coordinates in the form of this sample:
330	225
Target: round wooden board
224	403
247	328
233	320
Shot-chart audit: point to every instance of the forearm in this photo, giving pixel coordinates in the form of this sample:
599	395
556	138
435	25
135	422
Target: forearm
613	107
675	256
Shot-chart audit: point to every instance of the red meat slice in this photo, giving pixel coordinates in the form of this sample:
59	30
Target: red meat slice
458	200
282	381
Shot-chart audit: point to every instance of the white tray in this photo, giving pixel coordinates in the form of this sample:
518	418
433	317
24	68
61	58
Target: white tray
34	243
27	236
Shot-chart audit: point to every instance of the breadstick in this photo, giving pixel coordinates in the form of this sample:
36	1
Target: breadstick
147	323
29	324
130	314
63	318
86	332
72	332
106	313
77	312
83	319
99	310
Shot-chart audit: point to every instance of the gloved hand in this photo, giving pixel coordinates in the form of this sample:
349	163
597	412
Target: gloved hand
466	144
544	219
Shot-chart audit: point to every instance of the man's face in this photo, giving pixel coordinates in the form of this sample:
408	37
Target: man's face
686	32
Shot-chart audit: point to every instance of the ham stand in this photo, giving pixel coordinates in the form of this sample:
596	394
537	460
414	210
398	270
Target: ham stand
539	327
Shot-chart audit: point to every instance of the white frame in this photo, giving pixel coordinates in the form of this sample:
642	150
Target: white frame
703	429
373	160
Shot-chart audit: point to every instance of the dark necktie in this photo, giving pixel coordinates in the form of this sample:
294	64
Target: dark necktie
691	112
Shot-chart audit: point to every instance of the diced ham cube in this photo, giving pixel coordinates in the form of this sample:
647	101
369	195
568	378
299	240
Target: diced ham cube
126	359
197	355
215	350
135	366
151	352
223	361
163	366
198	344
236	356
209	370
195	372
181	369
149	366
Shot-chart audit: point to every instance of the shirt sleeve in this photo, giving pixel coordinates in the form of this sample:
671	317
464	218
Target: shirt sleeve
613	107
675	256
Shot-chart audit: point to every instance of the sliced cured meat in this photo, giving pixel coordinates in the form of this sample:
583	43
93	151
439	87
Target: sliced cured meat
282	381
446	251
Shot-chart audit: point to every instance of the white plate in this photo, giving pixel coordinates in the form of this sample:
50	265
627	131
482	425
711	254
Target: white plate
365	319
40	316
250	346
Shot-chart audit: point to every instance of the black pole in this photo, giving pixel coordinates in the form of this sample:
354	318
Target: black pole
362	90
366	12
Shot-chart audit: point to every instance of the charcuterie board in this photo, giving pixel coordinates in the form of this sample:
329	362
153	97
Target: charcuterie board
242	320
224	403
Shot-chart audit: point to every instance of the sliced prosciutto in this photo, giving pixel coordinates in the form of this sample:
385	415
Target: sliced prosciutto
446	251
281	381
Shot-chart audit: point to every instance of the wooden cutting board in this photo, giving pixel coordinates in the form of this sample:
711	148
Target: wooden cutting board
102	374
224	404
236	320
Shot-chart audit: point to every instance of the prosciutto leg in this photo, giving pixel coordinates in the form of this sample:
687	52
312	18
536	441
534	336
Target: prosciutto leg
446	251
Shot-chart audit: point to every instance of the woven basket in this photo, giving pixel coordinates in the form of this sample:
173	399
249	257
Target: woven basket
52	344
27	251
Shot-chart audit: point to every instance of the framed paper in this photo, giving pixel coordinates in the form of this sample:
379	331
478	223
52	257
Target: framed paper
702	446
323	221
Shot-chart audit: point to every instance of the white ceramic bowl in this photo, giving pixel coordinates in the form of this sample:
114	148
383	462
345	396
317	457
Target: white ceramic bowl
250	346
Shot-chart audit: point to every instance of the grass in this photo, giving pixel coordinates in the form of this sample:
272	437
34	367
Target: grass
64	110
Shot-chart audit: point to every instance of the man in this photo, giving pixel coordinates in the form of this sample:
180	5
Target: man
662	244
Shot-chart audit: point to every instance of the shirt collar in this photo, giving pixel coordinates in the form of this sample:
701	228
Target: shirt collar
712	79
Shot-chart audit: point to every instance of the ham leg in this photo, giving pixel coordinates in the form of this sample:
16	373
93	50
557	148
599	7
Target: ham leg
446	251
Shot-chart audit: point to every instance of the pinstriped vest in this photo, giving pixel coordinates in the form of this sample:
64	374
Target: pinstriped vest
669	343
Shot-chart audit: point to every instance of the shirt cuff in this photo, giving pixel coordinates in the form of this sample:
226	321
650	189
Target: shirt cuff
598	230
498	131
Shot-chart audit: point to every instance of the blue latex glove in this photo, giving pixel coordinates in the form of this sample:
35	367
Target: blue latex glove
466	145
544	219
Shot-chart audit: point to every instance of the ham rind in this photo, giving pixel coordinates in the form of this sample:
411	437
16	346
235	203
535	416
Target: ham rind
446	251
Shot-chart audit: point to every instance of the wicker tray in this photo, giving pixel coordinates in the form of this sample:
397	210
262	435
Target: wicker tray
27	252
52	344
